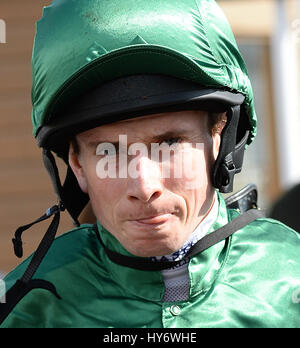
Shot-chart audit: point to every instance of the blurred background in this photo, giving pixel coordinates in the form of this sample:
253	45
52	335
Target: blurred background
268	35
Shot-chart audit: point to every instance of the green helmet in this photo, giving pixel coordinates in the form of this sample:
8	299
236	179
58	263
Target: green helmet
132	57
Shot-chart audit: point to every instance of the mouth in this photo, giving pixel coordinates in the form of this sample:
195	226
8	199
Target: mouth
156	219
152	222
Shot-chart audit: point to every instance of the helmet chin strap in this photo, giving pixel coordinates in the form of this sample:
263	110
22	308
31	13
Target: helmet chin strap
26	283
148	264
74	200
230	159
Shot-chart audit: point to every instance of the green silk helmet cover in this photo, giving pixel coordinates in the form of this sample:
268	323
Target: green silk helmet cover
81	44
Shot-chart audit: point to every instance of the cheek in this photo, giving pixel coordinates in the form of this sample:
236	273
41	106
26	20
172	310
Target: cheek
105	195
193	183
191	167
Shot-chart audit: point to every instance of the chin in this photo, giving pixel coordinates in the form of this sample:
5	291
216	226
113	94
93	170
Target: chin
150	249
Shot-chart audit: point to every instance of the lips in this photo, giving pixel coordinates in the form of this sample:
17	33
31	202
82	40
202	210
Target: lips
156	219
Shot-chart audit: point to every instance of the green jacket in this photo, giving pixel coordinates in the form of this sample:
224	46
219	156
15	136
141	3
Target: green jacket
250	280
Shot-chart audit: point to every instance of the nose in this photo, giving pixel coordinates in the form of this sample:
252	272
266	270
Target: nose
144	180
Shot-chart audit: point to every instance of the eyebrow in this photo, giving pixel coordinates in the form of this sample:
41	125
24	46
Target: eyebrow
152	139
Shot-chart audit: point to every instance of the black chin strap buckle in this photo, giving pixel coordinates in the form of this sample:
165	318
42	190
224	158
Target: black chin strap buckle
55	209
228	170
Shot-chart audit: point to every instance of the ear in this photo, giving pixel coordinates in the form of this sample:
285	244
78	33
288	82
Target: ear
216	131
76	164
216	144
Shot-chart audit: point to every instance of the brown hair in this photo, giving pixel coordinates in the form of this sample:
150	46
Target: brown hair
74	143
217	122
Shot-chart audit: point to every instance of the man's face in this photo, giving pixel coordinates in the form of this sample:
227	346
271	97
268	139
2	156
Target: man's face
151	209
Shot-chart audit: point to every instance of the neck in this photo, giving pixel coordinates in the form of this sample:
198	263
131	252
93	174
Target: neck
176	279
199	232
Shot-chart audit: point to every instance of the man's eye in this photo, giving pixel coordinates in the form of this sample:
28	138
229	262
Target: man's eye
172	141
106	152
